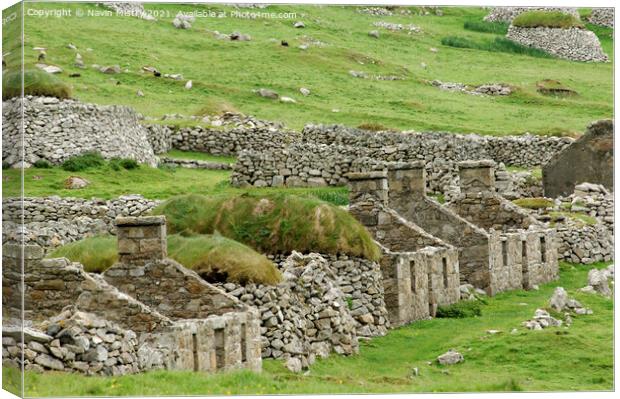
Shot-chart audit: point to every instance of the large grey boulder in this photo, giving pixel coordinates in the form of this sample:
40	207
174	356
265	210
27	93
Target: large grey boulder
450	357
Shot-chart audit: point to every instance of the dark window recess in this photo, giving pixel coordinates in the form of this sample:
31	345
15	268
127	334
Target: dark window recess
219	348
445	272
244	347
505	252
543	249
413	279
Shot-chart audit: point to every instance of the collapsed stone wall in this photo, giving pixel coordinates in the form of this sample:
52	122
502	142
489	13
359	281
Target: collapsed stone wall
323	304
54	130
507	14
602	16
573	44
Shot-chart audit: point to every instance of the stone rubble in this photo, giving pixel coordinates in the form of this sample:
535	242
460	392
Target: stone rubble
450	357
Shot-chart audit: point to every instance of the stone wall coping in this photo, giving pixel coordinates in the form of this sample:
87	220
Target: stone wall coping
123	221
374	175
405	165
483	163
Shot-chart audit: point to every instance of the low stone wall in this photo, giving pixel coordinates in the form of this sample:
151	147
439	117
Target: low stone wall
507	14
54	130
194	164
525	150
572	44
54	208
219	141
584	243
602	16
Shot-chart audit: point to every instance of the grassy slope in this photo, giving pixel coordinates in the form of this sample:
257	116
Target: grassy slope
224	73
152	183
578	358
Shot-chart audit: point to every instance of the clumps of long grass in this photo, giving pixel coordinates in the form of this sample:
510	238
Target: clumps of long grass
213	257
36	83
499	28
271	223
499	44
546	19
93	160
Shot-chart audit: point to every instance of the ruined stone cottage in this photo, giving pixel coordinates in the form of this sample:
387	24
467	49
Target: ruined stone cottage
145	312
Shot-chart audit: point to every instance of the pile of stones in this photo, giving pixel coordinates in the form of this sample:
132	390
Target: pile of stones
542	319
74	341
376	11
397	27
182	21
470	293
308	314
194	164
491	89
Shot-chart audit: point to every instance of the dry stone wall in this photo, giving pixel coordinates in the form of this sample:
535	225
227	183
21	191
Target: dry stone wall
602	16
218	141
507	14
54	130
328	153
572	44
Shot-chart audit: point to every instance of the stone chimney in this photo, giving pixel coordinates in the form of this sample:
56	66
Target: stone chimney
477	176
374	183
406	179
141	239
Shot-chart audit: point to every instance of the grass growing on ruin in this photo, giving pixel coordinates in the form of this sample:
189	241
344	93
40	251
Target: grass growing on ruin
36	83
498	45
236	68
546	19
534	203
199	156
271	223
214	257
556	359
478	25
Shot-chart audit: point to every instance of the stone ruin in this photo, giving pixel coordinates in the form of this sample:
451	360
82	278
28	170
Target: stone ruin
479	238
145	312
592	152
420	272
507	14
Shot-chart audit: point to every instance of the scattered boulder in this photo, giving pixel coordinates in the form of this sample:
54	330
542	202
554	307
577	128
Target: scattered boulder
75	182
559	299
182	21
299	24
450	357
294	364
304	91
287	100
374	33
49	68
240	37
266	93
139	93
114	69
188	85
597	279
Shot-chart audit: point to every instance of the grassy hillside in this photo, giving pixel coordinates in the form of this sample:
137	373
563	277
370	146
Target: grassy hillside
224	73
556	359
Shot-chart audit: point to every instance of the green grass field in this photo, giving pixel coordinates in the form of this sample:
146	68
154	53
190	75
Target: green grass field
556	359
224	73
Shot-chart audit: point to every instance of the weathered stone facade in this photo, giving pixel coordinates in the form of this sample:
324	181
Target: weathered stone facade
426	268
526	247
589	159
574	44
196	326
